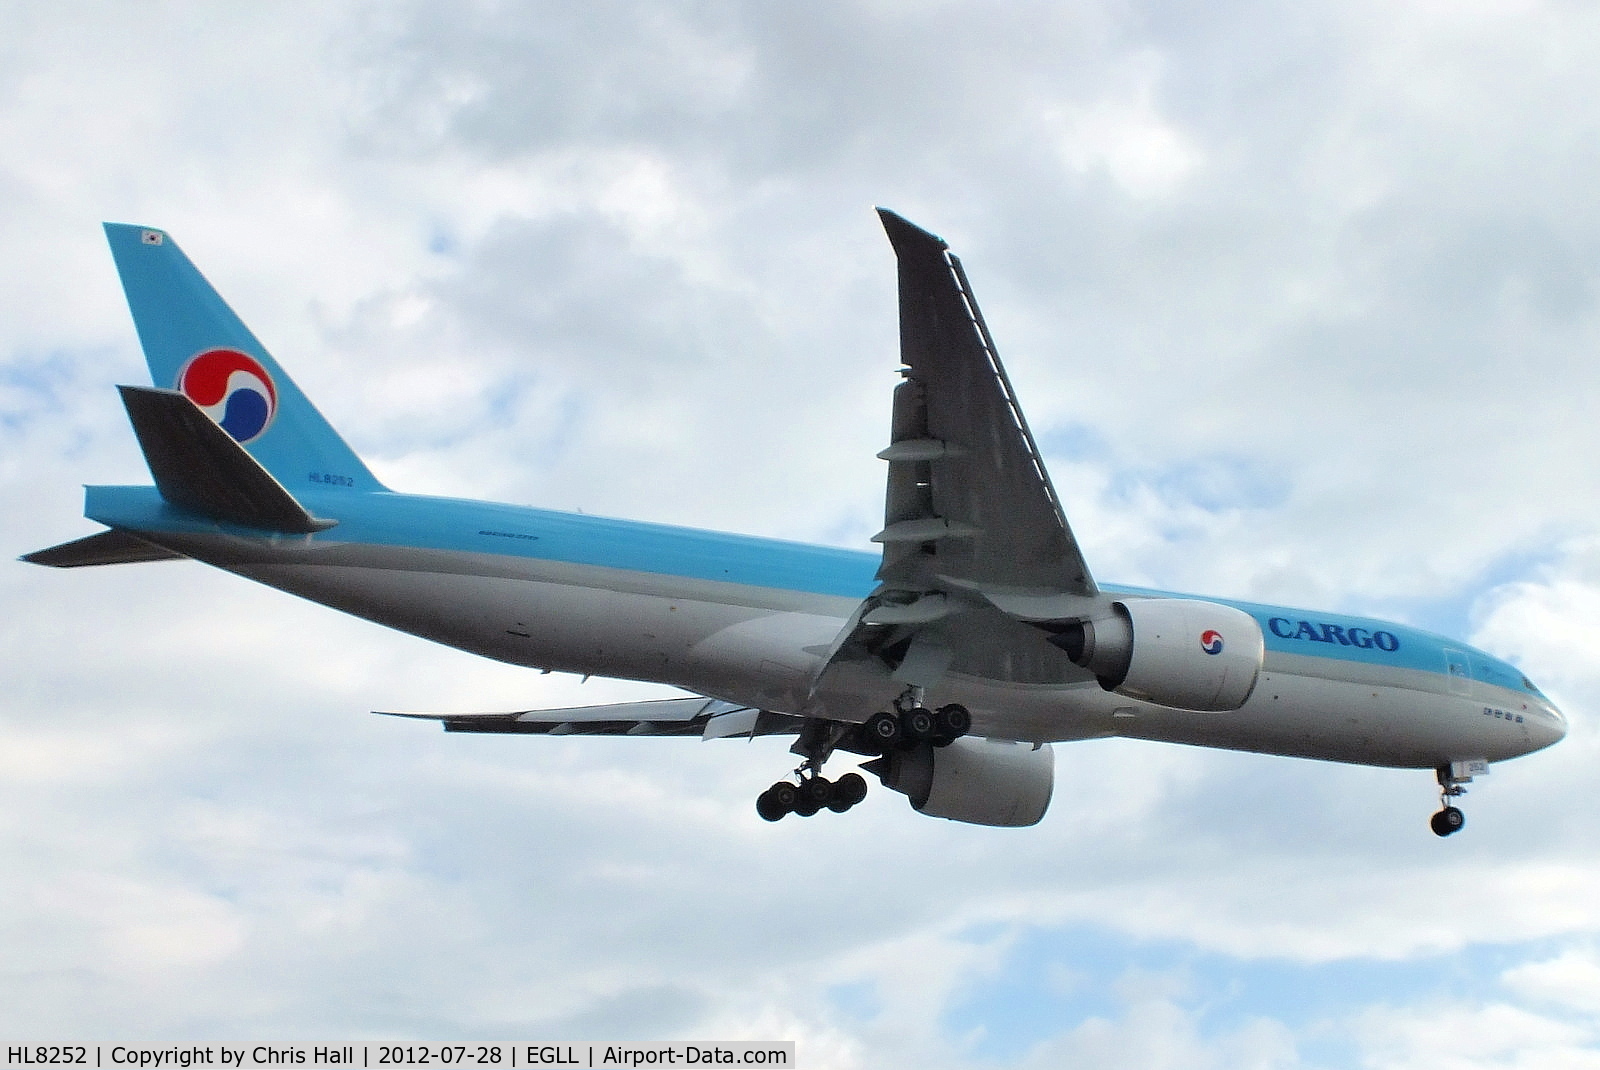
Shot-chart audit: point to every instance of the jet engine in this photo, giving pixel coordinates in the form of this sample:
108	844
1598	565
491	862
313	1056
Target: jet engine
1177	652
979	781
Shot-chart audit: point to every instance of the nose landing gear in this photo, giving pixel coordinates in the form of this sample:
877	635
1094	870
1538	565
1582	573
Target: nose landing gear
1452	778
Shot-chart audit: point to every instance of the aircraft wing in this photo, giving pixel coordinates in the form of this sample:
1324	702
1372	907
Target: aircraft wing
975	543
969	502
706	718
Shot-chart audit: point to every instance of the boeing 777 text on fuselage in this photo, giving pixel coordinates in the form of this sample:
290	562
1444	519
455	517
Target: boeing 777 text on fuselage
953	657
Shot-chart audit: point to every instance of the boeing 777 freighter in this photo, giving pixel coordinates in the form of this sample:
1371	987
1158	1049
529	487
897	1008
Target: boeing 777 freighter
953	656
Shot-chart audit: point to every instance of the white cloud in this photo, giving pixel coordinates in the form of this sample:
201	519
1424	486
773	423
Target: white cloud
1571	979
1157	1033
1127	138
1462	1037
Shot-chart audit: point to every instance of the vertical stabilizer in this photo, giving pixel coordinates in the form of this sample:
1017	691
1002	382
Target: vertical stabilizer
196	345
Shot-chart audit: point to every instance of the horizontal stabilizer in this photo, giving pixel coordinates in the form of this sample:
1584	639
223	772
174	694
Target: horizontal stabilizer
106	548
698	716
198	466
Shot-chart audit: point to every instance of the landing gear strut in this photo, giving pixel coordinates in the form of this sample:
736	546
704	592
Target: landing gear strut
1450	820
911	724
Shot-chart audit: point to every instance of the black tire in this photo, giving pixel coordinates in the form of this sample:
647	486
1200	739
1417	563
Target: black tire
1447	822
882	732
817	790
953	721
806	806
847	791
769	807
917	725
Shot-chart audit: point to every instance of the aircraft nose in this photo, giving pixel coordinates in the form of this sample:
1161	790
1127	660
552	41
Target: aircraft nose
1549	728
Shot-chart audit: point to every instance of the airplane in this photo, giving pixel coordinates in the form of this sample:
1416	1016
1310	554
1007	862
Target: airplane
952	657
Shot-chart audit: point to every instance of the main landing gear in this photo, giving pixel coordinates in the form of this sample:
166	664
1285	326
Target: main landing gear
811	795
910	725
1450	820
814	792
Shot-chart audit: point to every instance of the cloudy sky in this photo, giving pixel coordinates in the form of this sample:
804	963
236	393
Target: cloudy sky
1300	300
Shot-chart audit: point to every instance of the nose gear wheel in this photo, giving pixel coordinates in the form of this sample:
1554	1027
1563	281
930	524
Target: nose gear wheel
1447	821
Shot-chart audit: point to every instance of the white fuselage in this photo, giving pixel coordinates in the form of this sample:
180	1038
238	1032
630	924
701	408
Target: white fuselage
761	646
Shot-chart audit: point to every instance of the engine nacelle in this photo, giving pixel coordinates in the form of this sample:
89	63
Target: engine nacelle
979	781
1172	651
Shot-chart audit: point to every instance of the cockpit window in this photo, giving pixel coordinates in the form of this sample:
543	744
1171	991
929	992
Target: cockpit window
1528	685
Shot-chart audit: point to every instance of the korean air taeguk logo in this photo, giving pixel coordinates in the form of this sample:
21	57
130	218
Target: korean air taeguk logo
1211	641
233	389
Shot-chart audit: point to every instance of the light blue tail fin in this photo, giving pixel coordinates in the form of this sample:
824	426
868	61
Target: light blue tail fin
195	344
